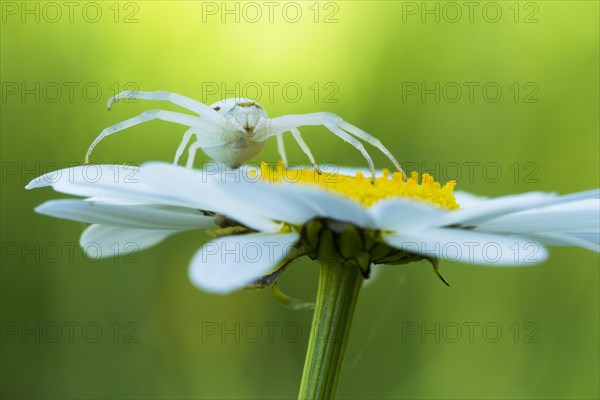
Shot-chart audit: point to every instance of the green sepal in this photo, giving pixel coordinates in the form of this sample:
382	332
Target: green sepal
350	243
369	240
380	251
313	234
399	257
350	263
363	259
436	268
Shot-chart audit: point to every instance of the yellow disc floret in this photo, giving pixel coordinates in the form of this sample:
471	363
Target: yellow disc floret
362	190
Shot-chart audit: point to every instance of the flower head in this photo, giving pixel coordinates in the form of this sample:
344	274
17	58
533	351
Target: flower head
264	219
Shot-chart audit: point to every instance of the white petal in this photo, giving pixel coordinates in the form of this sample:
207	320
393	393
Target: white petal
591	236
115	200
587	194
237	199
573	216
147	185
93	173
101	241
587	240
232	262
499	206
126	215
328	204
332	205
469	246
468	200
399	214
274	202
160	184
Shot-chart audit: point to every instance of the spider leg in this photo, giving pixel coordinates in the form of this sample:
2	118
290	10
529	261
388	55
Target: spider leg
281	149
170	116
304	147
206	139
192	154
359	133
372	140
203	139
284	123
187	136
177	99
355	143
328	120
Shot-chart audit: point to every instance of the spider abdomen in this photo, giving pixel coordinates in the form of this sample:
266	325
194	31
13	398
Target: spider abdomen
236	153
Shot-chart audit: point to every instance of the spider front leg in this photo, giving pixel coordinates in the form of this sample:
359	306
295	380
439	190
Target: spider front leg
174	98
170	116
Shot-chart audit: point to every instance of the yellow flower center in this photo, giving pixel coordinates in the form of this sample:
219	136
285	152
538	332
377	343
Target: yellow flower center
361	189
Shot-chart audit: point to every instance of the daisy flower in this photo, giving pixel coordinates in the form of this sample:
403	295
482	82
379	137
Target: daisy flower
264	218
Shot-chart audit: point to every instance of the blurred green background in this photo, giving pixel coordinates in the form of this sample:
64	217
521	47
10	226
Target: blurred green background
136	328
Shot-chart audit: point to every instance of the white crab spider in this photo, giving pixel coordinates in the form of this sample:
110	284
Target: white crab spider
235	130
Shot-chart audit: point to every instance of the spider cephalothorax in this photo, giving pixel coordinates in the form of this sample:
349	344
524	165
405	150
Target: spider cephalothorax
233	131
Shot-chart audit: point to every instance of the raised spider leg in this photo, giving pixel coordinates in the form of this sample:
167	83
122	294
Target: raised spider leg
304	147
281	149
169	116
372	140
177	99
285	123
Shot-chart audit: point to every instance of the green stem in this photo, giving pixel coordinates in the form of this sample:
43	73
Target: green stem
339	286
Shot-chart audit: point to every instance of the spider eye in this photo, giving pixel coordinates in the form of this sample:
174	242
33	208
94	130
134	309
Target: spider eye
217	108
246	104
